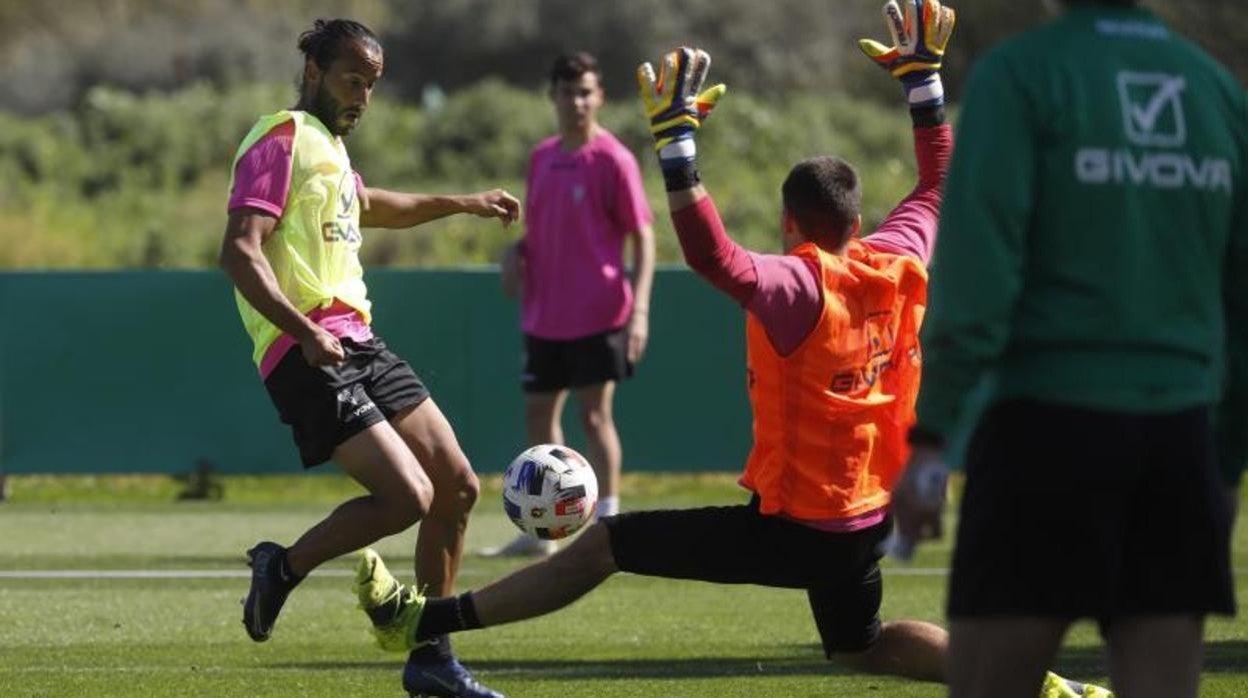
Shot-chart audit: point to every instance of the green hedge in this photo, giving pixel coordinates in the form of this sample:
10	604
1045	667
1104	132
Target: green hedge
140	181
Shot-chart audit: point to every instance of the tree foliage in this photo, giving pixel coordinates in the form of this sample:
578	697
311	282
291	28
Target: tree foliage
119	117
53	51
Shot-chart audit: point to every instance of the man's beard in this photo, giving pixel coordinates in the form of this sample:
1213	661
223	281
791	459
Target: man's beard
327	109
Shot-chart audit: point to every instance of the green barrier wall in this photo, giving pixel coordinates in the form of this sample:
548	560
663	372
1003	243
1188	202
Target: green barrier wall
151	371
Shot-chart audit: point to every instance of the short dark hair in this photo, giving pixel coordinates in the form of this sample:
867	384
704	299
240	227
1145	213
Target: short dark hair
571	66
824	196
323	42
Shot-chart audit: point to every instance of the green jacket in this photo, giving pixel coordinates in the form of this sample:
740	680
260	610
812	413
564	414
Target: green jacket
1093	245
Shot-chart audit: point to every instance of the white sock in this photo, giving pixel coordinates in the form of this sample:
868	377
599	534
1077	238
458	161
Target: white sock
608	506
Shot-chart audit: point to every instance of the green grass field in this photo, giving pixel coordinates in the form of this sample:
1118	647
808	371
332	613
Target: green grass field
98	635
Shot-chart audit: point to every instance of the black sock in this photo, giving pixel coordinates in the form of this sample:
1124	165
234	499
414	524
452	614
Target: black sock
447	615
436	651
287	575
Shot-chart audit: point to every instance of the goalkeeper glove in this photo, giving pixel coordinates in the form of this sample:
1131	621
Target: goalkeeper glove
676	106
919	40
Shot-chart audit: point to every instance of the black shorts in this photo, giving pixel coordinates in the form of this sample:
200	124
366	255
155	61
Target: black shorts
555	364
326	405
737	545
1077	513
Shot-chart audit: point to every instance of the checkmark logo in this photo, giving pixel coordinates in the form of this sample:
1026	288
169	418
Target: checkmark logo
346	193
1152	108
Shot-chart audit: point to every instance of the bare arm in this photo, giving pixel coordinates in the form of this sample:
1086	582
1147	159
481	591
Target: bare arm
643	282
388	209
244	262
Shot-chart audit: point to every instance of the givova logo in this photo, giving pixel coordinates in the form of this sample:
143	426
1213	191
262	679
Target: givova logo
1153	117
343	228
1152	108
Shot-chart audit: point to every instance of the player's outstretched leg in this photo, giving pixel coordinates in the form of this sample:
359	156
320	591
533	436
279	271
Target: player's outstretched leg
394	611
393	608
271	582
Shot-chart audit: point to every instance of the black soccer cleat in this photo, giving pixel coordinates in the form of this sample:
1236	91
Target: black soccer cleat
268	592
443	679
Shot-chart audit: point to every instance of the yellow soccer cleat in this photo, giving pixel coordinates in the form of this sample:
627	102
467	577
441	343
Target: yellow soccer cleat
393	608
1057	687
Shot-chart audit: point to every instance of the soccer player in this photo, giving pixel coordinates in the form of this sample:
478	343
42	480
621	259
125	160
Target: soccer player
291	248
1093	257
833	371
585	326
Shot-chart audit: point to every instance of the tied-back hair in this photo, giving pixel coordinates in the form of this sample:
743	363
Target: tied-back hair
571	66
323	42
824	196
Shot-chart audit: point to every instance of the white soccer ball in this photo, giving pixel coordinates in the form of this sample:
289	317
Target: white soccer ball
549	491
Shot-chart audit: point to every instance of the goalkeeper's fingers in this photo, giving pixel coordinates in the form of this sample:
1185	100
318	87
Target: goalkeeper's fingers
900	26
706	101
700	64
878	52
897	29
661	93
646	86
672	79
938	21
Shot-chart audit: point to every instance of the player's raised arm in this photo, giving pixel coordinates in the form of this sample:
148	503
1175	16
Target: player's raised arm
915	58
920	34
387	209
676	107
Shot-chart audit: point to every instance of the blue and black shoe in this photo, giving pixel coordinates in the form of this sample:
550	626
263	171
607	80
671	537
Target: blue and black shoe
269	589
445	678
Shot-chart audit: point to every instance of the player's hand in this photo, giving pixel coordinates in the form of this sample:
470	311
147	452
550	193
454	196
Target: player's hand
495	203
638	335
320	348
676	104
919	500
920	34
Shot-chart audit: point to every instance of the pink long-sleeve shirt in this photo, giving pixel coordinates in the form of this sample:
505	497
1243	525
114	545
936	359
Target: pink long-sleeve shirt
783	291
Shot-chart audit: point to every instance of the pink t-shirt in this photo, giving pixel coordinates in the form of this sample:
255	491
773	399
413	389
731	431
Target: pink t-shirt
579	207
262	182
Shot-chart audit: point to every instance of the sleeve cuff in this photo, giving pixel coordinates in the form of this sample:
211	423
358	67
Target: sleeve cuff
927	116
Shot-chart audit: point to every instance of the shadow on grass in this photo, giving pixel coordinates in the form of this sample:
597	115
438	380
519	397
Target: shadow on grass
1224	656
1221	656
684	667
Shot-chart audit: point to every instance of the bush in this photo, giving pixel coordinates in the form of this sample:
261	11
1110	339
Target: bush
140	181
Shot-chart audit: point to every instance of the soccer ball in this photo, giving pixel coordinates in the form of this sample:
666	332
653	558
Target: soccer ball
549	491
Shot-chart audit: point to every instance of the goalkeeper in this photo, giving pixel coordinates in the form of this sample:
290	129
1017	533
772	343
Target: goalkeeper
833	311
